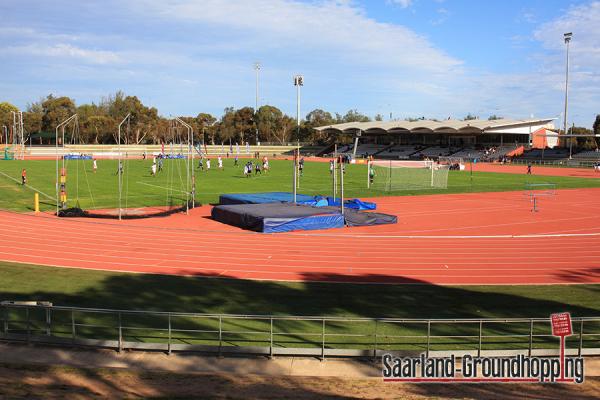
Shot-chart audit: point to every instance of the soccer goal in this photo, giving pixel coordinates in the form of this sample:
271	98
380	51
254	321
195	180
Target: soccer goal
391	175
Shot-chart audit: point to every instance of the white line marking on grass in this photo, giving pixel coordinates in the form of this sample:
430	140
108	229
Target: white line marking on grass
28	186
162	187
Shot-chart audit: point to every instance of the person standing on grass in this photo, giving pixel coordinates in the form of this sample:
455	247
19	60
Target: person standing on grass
301	166
24	177
208	164
94	166
220	162
160	164
257	168
201	164
235	161
371	174
153	170
331	167
529	168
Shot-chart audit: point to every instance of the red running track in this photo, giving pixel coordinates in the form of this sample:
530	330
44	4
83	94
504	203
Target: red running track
482	238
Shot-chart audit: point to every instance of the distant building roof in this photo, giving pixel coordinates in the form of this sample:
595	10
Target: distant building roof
474	126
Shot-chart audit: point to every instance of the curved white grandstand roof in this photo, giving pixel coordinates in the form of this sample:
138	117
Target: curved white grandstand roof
475	126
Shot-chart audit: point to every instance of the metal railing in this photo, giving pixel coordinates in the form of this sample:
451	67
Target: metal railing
288	335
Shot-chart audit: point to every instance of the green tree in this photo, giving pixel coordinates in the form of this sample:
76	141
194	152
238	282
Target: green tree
243	126
596	129
6	116
378	117
587	143
225	129
269	121
56	110
315	119
470	117
32	118
494	117
205	123
355	116
99	129
319	117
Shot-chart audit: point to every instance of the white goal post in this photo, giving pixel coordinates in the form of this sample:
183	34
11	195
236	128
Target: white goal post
391	175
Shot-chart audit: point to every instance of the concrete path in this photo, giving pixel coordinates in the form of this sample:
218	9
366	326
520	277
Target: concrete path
185	363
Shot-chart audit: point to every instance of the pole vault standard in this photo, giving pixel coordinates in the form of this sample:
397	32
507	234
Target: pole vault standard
62	182
120	166
294	175
335	160
342	187
189	166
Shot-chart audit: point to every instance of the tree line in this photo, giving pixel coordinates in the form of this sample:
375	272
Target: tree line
98	122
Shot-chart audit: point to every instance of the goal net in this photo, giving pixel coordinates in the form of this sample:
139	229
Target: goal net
391	175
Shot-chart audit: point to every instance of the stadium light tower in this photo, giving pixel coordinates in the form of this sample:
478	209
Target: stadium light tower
567	36
298	81
257	69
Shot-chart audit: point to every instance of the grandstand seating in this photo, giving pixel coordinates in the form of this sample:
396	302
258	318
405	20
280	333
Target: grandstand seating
484	154
434	151
588	155
368	148
399	151
555	154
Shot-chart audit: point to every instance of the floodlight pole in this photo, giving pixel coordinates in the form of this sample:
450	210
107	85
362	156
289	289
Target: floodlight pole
567	38
127	118
298	81
257	69
61	125
189	166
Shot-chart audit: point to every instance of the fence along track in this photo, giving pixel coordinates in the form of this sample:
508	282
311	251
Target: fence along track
270	335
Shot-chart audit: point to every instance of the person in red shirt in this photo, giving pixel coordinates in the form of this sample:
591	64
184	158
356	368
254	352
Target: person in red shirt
23	176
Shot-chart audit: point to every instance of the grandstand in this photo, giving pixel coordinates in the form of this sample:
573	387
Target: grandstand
550	154
486	154
592	155
434	151
401	152
431	139
369	149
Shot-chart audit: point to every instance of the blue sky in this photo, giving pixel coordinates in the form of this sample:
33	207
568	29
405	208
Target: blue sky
432	58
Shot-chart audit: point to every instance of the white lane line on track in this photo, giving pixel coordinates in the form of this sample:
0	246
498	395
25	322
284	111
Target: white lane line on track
332	235
444	281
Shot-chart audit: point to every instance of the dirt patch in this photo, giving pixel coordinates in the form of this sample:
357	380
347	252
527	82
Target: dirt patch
26	382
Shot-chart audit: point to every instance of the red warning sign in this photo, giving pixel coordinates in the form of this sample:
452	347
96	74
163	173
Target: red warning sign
561	324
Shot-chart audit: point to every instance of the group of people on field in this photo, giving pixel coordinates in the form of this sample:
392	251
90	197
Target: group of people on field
256	166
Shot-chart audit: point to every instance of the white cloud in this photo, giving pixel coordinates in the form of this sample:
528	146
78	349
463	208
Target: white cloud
339	30
402	3
583	21
66	51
